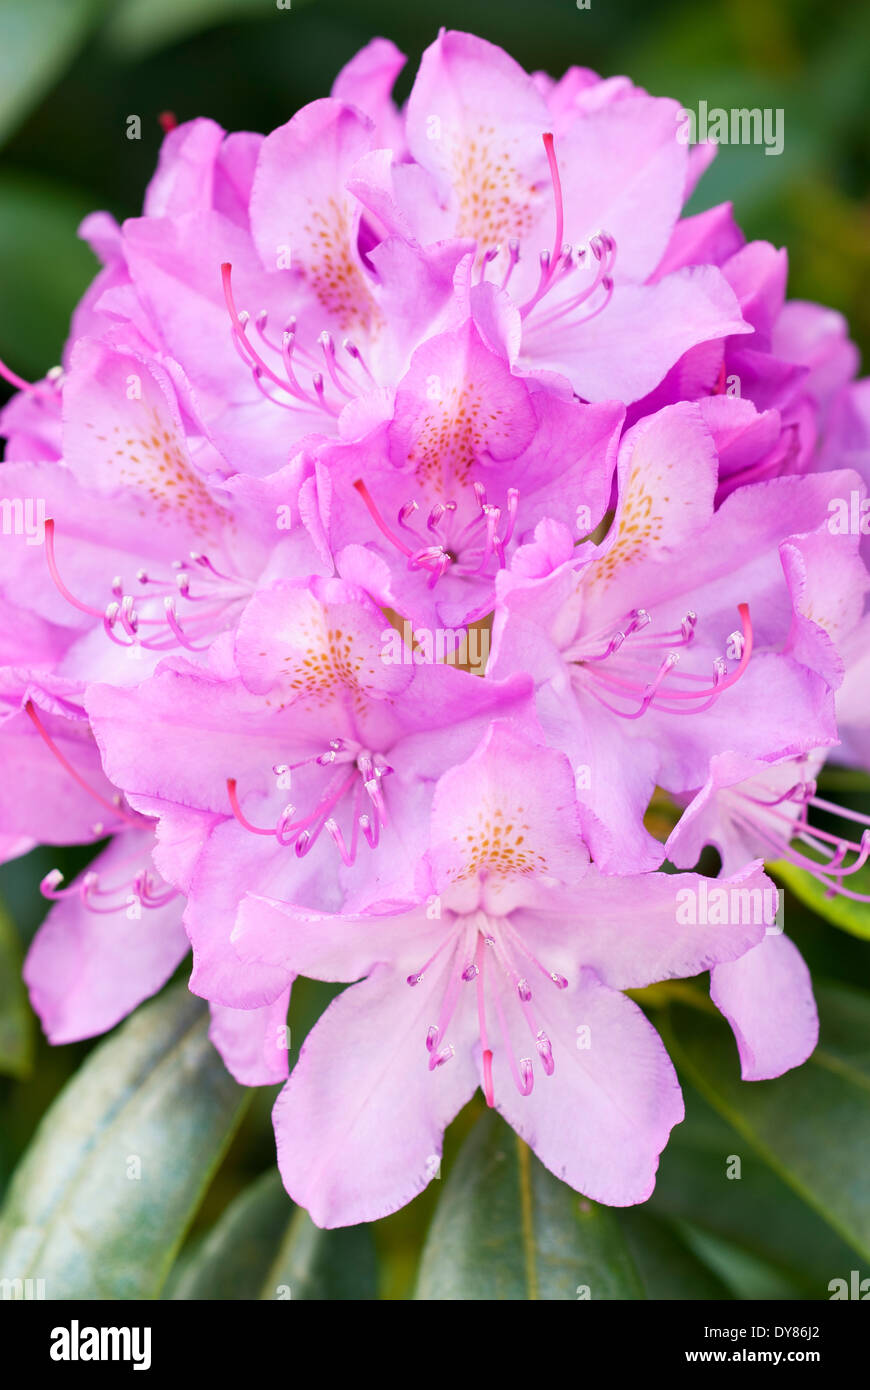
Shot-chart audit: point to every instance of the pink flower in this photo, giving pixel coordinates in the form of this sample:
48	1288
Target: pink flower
510	978
440	371
569	228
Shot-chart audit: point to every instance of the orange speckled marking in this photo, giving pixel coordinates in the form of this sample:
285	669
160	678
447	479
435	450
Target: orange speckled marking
451	436
334	275
327	663
153	463
498	841
640	523
494	197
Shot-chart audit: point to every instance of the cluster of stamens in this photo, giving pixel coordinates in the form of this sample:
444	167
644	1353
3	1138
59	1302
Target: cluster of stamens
476	940
782	822
598	255
358	775
127	626
464	549
620	671
328	393
143	889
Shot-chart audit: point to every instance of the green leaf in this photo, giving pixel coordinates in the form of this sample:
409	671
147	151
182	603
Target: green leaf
237	1254
505	1228
40	39
102	1198
711	1180
45	269
16	1018
812	1125
746	1276
840	912
326	1265
668	1267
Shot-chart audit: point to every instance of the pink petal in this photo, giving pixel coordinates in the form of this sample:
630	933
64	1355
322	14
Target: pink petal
253	1042
87	970
767	997
359	1124
602	1119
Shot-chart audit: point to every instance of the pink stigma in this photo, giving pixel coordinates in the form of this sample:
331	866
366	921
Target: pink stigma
557	198
114	808
487	1079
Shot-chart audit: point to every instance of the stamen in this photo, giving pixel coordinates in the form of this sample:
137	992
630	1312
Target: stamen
328	347
672	700
55	574
353	351
487	257
303	833
516	939
524	1077
514	255
545	1051
418	976
379	521
115	809
435	1035
175	625
481	1022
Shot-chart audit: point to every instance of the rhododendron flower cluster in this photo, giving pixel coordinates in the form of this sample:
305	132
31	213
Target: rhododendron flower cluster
342	398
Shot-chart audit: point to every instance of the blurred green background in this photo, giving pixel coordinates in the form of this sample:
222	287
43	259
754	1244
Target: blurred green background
73	71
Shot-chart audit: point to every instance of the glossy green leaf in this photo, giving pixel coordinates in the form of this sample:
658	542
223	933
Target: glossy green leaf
101	1200
745	1275
713	1181
812	1125
839	911
16	1018
668	1266
38	39
505	1228
326	1265
239	1251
